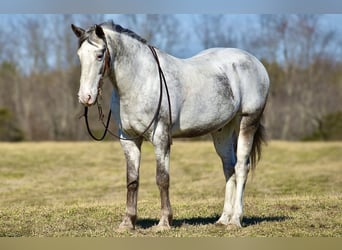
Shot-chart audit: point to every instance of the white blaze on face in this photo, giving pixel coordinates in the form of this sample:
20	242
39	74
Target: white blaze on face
91	63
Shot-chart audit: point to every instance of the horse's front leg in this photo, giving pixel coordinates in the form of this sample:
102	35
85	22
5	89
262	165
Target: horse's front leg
162	151
132	150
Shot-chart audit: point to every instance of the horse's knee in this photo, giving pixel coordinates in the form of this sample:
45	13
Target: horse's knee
163	179
133	185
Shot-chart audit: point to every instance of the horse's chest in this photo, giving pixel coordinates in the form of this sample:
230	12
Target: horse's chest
135	118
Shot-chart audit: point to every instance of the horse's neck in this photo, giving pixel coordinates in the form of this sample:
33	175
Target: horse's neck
130	61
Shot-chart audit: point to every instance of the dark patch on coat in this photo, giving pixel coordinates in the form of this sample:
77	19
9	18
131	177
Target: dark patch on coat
223	85
247	64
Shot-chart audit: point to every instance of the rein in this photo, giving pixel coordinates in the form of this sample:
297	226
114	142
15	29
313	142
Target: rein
162	81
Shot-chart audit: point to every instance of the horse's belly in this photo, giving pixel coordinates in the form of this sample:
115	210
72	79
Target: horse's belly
192	132
204	120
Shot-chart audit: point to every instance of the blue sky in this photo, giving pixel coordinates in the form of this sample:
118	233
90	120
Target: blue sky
171	6
191	46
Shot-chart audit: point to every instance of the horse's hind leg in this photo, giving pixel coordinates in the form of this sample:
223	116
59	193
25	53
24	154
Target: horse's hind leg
225	142
132	153
248	145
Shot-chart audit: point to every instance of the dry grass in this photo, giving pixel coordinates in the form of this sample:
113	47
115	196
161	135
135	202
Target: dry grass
78	189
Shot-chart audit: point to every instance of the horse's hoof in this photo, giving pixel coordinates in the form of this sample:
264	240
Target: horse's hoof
220	223
234	224
126	227
164	224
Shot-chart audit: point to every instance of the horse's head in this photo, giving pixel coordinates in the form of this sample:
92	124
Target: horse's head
95	59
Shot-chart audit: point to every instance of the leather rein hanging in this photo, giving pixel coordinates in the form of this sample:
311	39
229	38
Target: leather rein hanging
162	81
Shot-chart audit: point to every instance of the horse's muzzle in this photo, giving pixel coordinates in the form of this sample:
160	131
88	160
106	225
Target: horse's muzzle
87	100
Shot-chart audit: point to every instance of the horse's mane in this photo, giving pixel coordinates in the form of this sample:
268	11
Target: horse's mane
115	27
120	29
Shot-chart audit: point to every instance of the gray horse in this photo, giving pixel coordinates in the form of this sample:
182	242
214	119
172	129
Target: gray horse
221	91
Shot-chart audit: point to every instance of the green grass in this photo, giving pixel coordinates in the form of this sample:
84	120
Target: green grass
78	189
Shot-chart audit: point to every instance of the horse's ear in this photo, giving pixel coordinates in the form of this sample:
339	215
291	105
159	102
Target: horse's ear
99	31
77	30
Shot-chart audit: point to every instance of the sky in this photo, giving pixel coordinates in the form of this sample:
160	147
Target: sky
244	22
171	6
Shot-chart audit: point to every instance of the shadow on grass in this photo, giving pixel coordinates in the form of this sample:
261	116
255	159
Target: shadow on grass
246	221
252	220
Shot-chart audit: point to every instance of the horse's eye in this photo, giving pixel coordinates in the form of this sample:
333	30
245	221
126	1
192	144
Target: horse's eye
99	57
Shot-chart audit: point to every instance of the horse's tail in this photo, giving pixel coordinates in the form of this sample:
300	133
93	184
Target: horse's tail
259	139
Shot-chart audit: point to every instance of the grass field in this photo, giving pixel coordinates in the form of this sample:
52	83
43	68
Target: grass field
78	189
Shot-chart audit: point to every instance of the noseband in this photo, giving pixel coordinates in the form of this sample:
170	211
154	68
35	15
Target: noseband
105	68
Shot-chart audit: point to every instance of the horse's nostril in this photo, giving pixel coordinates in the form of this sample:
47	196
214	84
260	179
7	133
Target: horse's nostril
89	98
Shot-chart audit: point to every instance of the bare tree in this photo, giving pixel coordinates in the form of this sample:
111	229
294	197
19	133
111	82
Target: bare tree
303	49
36	41
215	31
163	31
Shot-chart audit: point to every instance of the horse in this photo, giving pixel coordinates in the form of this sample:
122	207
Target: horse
220	91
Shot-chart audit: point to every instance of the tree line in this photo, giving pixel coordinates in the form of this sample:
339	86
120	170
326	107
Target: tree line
39	70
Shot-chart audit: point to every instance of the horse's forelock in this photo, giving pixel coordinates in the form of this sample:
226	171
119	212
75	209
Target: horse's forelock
85	36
